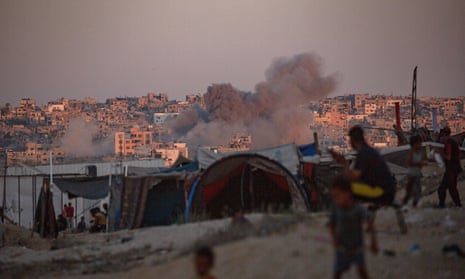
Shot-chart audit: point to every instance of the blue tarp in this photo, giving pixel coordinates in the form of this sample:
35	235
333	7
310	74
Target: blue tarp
308	150
194	166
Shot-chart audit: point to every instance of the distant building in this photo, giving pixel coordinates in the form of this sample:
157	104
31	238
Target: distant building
170	152
370	108
27	103
126	143
160	118
240	142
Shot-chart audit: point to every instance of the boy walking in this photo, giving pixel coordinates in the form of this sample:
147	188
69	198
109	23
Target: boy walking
346	226
414	162
204	261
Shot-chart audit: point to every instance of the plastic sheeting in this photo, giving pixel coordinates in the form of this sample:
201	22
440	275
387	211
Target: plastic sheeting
240	177
286	155
92	188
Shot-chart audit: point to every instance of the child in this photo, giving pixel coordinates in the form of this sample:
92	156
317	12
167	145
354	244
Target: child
82	225
204	261
414	162
346	222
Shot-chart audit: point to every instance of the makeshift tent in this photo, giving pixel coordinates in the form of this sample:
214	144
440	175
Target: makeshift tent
92	188
188	167
146	201
45	223
249	182
287	155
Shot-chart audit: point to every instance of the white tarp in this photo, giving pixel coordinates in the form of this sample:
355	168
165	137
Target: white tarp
286	155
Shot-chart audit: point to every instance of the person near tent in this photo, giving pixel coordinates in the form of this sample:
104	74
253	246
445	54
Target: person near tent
451	154
371	178
203	262
105	209
414	162
346	226
62	224
64	212
81	226
98	222
69	214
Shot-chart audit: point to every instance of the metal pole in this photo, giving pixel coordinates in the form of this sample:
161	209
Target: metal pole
413	111
19	201
33	181
75	212
4	187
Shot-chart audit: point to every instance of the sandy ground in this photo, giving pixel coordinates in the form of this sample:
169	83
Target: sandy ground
284	246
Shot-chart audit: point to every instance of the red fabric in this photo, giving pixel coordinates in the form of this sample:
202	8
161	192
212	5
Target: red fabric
308	170
69	212
281	181
210	191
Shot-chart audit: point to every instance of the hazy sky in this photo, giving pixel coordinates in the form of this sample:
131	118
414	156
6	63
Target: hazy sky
108	48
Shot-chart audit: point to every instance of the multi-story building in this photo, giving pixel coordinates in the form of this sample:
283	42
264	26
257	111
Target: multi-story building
370	107
451	108
160	118
170	152
126	143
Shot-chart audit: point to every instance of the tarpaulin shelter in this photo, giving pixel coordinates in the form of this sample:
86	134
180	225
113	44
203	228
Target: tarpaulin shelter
308	150
286	155
92	188
146	201
250	182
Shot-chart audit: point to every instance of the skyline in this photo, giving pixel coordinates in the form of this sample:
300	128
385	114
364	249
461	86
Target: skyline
106	49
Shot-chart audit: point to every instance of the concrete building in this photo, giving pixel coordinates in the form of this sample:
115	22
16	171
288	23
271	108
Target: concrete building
126	143
370	108
170	152
160	118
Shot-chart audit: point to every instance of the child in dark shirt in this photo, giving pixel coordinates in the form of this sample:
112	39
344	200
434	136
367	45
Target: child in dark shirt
204	261
346	225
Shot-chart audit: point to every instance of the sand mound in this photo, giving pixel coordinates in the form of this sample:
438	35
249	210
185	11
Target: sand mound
11	235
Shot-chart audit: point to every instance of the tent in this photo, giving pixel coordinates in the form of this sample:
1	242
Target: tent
146	201
93	188
249	182
286	155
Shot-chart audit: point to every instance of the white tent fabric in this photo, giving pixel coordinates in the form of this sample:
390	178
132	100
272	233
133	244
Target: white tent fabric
286	155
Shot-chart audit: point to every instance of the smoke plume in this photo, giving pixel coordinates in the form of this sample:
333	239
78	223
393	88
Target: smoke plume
275	114
81	140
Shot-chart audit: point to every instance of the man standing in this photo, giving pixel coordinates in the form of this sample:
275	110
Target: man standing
70	215
451	156
371	178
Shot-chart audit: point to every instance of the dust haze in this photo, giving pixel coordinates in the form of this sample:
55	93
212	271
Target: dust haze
276	113
81	140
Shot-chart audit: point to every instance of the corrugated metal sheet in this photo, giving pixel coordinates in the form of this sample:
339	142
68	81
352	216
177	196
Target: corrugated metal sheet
106	168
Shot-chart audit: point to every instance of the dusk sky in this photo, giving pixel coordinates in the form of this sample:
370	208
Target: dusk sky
107	48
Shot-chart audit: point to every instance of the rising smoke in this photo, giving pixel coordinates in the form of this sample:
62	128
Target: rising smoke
275	114
81	140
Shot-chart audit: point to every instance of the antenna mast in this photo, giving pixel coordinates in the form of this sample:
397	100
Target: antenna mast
413	112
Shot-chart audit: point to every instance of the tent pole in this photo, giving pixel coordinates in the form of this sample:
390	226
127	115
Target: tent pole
75	213
251	190
242	189
19	200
